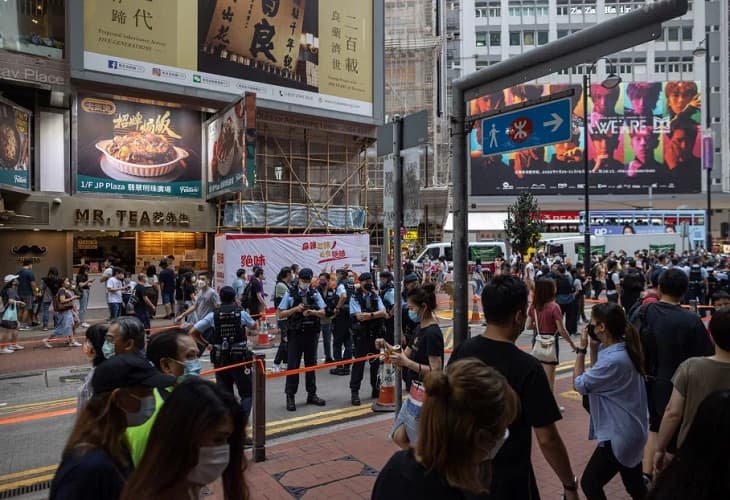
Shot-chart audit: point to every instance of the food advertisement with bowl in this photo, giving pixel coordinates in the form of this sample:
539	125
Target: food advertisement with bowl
134	148
229	153
14	145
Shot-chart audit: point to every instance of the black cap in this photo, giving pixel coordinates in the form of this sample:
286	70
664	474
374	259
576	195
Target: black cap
227	294
386	274
305	274
342	270
127	370
410	278
365	276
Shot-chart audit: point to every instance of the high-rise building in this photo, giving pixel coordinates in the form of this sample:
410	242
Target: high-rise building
485	32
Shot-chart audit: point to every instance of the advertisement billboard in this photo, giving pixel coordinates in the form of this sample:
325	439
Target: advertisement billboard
641	135
319	252
313	53
132	148
227	136
15	127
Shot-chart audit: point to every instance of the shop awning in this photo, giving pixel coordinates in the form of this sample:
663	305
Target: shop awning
480	221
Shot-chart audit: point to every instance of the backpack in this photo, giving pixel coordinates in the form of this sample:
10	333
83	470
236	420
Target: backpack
696	282
633	280
59	306
246	296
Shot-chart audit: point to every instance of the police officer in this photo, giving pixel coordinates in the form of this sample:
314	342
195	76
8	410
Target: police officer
331	299
410	281
387	296
302	307
341	339
225	331
368	314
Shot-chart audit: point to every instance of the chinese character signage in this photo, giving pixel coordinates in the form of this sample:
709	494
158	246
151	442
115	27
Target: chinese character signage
14	145
230	139
641	135
131	148
313	53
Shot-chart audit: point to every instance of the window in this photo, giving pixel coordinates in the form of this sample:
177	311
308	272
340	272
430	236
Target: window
36	28
673	34
687	33
515	11
514	38
563	33
542	37
528	37
481	39
495	39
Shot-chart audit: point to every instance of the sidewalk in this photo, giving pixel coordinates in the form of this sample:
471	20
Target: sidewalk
344	463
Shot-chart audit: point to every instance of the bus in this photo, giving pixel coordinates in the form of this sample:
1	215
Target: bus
560	224
628	222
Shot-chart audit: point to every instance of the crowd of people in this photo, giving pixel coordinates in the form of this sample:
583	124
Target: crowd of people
656	390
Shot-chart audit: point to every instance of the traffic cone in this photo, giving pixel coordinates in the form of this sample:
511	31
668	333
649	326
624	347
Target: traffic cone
262	339
475	309
386	396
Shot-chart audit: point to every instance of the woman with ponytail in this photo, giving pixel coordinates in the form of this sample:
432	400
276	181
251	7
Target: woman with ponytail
616	390
463	424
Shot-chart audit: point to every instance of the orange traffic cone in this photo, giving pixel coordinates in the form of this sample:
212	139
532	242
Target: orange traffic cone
262	339
475	309
386	397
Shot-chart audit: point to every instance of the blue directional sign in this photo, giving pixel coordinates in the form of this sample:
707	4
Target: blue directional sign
529	127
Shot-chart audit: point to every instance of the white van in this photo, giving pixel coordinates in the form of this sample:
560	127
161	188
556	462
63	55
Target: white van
486	251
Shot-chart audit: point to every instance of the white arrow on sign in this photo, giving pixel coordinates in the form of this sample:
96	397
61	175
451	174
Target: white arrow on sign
555	123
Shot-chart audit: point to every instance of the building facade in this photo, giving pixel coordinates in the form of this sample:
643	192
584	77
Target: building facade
484	32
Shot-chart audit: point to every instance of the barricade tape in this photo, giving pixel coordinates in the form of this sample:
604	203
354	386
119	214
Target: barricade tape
231	367
324	366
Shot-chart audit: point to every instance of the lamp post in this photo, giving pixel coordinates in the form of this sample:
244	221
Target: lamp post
703	49
610	82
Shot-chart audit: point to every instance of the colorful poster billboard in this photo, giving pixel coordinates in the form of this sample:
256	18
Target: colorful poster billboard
641	135
15	128
313	53
131	148
227	136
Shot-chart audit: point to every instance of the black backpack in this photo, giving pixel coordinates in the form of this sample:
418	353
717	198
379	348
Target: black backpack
633	280
246	296
696	282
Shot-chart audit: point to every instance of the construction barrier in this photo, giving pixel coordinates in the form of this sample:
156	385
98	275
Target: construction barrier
386	396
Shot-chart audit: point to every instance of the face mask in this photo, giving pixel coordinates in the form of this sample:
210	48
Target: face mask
146	410
303	286
212	461
497	446
108	349
322	282
350	281
413	316
368	286
192	368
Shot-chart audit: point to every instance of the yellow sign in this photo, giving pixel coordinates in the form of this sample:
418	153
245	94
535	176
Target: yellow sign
411	235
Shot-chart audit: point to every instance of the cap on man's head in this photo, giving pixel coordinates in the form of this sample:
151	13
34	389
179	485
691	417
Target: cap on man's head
365	276
410	278
342	271
386	274
227	294
127	370
305	274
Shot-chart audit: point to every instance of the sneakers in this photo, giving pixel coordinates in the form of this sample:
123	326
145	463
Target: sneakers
74	344
23	328
16	347
47	343
6	350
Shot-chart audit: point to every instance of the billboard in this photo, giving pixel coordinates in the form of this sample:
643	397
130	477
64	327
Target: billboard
313	53
319	252
641	135
227	136
132	148
15	125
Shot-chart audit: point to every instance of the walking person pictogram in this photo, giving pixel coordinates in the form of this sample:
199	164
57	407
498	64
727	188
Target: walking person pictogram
493	137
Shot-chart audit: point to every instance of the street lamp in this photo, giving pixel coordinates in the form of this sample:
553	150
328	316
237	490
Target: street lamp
611	81
703	49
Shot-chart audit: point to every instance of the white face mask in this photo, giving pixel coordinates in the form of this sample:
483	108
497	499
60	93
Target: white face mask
146	410
212	461
497	446
303	286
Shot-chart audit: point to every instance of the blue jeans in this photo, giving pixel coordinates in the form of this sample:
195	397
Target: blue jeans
115	309
83	304
327	340
46	306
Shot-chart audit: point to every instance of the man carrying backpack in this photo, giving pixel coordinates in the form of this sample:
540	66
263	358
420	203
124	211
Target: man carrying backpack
698	282
632	284
141	302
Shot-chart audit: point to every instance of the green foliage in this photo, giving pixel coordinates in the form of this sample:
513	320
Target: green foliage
523	224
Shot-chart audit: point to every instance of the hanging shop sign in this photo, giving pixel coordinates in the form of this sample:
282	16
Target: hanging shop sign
130	218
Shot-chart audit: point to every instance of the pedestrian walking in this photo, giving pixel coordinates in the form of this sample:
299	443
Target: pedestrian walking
49	289
83	287
10	305
26	287
115	287
153	287
63	306
142	305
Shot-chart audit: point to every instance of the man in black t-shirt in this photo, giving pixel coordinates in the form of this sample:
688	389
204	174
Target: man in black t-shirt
505	311
167	287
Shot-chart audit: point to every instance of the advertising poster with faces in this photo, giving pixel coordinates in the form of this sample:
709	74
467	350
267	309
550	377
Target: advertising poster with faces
641	135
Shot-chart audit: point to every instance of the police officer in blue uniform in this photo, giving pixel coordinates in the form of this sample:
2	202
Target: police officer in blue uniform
368	315
302	306
225	329
387	295
341	339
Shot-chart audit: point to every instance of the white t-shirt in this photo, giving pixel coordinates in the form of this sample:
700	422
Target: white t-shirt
530	271
113	297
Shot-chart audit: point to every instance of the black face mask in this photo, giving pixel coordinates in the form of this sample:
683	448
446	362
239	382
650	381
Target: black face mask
368	286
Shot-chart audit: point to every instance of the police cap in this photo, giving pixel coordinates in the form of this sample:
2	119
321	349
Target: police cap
365	276
410	278
306	274
227	294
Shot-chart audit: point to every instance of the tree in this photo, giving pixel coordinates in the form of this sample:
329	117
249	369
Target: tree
523	224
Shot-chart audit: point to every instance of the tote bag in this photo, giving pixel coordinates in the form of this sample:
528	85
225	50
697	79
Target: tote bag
544	348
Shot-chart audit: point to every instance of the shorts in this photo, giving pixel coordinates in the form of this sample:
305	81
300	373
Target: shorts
408	418
168	297
28	300
9	325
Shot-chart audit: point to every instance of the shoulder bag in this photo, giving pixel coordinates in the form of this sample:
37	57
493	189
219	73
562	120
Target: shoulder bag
544	348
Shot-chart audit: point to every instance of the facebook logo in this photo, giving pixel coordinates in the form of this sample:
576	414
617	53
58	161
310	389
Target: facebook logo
113	64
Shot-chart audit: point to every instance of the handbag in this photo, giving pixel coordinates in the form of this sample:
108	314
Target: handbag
10	313
544	348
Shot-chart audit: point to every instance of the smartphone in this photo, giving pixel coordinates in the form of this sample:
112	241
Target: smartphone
592	332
